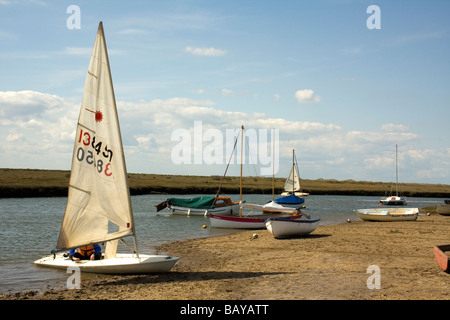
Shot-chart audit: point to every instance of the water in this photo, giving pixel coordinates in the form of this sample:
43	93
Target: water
29	229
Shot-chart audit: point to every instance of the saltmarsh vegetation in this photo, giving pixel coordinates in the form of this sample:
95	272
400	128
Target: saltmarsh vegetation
46	183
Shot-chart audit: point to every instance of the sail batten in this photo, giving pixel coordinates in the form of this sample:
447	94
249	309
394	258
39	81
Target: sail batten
99	192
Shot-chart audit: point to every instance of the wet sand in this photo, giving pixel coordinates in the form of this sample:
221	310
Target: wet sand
331	263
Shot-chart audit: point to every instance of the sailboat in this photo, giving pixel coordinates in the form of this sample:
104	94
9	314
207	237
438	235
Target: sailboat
394	200
248	221
199	206
292	184
98	207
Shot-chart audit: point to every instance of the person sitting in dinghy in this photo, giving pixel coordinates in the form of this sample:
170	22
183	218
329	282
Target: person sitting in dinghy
90	252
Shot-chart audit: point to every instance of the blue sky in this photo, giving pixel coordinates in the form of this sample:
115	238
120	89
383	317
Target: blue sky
342	95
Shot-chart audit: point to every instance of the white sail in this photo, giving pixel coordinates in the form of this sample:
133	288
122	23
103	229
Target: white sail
292	182
99	206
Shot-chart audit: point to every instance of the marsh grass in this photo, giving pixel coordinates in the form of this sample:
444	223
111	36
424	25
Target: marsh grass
31	182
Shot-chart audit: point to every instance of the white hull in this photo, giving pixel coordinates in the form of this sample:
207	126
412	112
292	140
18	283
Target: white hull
291	228
298	194
122	264
271	207
388	214
393	201
244	222
185	211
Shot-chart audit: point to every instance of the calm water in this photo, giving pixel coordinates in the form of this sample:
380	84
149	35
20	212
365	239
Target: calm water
30	228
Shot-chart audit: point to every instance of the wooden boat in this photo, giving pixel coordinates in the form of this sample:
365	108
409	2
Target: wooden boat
443	209
394	200
99	205
388	214
442	256
200	206
285	228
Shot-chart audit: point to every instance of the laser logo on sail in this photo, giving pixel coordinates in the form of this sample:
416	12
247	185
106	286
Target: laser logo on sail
98	115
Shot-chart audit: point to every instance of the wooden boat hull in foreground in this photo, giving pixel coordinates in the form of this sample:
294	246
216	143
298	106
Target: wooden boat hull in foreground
388	214
285	228
442	256
122	264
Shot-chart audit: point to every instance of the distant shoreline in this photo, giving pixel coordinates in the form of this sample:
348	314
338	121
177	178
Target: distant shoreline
27	183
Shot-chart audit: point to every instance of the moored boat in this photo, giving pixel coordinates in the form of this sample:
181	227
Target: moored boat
388	214
257	221
285	228
292	185
200	206
394	200
442	256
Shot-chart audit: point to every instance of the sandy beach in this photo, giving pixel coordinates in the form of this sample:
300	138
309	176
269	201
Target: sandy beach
334	262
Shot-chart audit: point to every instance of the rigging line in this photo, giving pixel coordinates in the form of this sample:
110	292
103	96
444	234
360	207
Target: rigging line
226	169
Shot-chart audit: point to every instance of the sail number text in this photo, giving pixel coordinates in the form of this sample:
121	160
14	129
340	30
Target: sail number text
88	155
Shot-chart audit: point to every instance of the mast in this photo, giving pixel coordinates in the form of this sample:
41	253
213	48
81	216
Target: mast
293	171
240	180
273	166
114	244
396	172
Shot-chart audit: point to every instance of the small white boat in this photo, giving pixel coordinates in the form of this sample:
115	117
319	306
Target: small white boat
394	200
285	228
292	185
98	206
257	221
388	214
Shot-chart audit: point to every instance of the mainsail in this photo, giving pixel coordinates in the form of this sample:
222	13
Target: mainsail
98	207
292	182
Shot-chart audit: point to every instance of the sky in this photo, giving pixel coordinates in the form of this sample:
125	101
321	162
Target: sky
341	82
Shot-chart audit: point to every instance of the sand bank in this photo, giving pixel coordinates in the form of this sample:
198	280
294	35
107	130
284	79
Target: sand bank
331	263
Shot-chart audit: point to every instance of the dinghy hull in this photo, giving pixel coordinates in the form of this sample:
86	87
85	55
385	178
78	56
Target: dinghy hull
388	214
121	264
286	228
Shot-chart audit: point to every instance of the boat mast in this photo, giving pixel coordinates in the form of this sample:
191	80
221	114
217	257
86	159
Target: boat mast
133	228
293	171
240	180
396	172
273	166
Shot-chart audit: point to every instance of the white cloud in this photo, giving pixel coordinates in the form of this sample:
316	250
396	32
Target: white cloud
227	92
391	127
307	96
205	51
132	31
40	128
